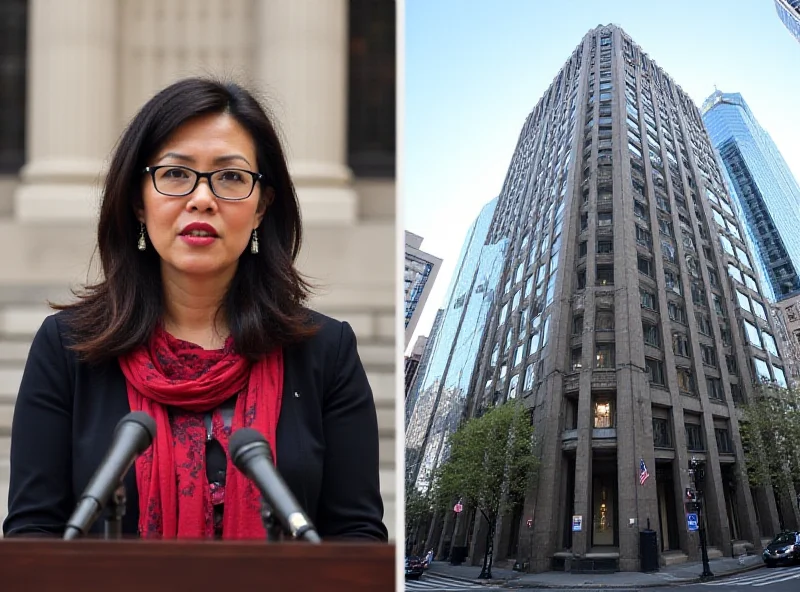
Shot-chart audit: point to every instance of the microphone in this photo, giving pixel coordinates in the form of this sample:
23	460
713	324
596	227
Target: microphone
132	436
251	454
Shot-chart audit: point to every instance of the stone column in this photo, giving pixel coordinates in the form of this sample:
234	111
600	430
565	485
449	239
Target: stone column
72	108
301	62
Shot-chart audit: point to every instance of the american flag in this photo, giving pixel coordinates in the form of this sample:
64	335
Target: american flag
643	474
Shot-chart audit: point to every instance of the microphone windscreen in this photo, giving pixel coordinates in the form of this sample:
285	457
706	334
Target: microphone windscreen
145	421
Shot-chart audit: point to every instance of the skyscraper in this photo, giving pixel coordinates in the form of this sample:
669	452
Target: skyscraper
420	272
625	319
444	386
765	192
789	13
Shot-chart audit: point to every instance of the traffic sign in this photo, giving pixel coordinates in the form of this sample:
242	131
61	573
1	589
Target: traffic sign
458	508
691	522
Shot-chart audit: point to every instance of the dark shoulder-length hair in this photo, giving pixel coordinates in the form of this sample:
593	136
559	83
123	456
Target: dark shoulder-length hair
264	305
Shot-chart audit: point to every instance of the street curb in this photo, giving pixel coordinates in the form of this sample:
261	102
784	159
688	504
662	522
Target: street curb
516	584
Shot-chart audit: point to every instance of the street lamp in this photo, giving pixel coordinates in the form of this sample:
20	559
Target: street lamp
697	471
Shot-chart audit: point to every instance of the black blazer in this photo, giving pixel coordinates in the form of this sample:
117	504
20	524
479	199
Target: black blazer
327	434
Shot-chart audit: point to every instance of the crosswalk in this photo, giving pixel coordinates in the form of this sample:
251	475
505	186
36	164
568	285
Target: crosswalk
431	582
760	578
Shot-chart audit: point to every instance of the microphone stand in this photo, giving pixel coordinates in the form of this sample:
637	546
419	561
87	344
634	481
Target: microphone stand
115	510
272	525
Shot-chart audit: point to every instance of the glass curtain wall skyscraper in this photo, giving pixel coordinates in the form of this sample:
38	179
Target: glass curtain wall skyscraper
626	319
443	388
789	13
765	192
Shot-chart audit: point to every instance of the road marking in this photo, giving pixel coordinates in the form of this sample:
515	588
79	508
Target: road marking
431	581
761	577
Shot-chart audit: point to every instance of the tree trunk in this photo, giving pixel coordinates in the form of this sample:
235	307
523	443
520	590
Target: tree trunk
486	570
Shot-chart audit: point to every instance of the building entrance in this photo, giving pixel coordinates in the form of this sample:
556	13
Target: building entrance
604	505
667	508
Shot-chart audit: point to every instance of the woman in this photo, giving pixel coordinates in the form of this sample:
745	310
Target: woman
200	322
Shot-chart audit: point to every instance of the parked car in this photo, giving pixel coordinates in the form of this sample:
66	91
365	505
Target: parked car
414	567
784	548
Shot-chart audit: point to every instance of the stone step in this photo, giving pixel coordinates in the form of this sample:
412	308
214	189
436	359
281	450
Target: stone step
742	548
673	558
714	553
378	355
10	379
22	320
14	351
6	415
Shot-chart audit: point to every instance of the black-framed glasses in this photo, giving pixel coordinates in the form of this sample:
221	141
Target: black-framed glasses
179	181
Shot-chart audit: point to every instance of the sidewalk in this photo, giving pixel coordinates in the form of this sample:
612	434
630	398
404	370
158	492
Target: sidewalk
683	573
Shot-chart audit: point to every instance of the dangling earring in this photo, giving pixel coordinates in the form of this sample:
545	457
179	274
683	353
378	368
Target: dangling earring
142	245
254	243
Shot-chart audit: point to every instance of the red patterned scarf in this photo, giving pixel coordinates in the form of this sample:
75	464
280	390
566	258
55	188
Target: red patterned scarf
175	499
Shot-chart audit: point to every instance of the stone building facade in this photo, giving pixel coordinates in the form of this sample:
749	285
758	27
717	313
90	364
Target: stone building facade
628	320
75	71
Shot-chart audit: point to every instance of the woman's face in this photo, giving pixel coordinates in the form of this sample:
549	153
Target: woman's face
207	143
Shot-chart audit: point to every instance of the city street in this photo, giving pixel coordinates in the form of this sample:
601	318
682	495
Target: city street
782	579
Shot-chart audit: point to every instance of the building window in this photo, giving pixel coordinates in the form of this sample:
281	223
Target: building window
528	383
718	307
645	266
656	371
743	300
759	310
698	294
577	324
602	415
752	334
724	445
651	334
714	387
512	387
605	246
643	236
581	279
672	283
519	354
680	345
676	312
694	437
662	437
582	249
685	380
703	323
577	354
761	370
708	354
769	343
371	93
605	275
604	355
780	377
604	219
647	299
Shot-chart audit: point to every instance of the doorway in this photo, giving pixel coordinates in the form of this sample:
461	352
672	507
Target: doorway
604	504
667	508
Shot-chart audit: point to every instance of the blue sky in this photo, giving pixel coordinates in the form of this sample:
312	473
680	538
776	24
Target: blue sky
475	69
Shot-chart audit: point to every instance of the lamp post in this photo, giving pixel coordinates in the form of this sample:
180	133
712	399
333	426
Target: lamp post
697	470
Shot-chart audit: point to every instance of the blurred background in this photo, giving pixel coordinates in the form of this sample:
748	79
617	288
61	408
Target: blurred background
73	73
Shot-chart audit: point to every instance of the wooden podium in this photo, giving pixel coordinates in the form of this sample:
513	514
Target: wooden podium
208	566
